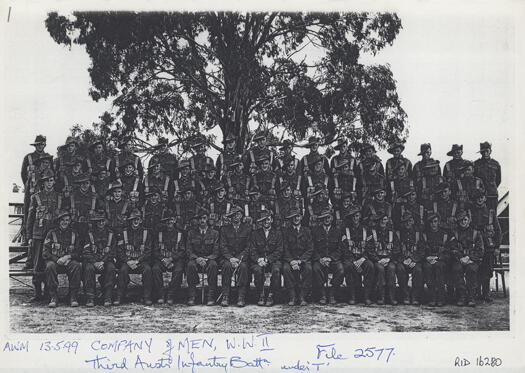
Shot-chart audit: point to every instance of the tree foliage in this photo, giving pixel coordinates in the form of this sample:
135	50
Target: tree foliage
182	73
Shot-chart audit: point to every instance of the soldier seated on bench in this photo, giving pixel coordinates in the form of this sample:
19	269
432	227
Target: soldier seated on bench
61	252
134	254
98	256
169	255
202	251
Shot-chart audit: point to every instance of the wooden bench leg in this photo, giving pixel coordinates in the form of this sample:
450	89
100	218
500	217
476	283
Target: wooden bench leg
503	284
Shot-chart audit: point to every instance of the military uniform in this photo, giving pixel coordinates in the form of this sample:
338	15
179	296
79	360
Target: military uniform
126	156
99	248
169	255
445	208
298	247
283	207
342	181
237	184
83	204
437	257
374	206
153	213
489	171
97	162
117	212
382	243
427	175
371	176
218	208
202	244
234	243
393	163
135	245
167	160
415	209
132	189
42	213
410	260
266	183
267	245
452	169
485	221
58	243
317	203
327	244
359	269
160	182
467	242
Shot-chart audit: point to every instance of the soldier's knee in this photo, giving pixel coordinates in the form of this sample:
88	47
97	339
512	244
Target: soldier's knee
367	264
89	268
226	266
379	267
146	269
51	266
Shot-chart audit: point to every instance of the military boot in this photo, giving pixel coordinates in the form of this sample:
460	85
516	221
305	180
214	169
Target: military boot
210	300
331	296
351	299
38	294
240	300
322	300
302	297
171	299
73	299
260	302
269	300
118	299
404	294
54	300
366	296
292	299
90	302
147	302
461	301
191	295
392	295
381	296
225	300
107	298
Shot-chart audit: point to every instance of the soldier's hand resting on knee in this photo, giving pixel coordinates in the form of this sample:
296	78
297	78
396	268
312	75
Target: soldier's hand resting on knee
99	266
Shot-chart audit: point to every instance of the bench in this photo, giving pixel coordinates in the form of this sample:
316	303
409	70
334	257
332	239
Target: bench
501	266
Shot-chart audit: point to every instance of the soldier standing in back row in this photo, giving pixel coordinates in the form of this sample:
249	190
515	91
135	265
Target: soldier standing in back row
371	174
126	155
29	176
489	171
96	160
344	155
227	156
163	156
309	160
393	163
451	172
427	175
199	161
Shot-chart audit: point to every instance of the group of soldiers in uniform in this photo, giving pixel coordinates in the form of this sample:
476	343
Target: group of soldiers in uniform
245	215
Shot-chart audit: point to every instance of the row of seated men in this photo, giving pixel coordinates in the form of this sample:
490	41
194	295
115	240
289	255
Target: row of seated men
259	176
367	254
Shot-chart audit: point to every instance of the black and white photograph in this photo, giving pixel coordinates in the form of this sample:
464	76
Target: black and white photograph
242	171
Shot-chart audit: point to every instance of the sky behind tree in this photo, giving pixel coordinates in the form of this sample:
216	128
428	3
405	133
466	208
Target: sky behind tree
455	75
